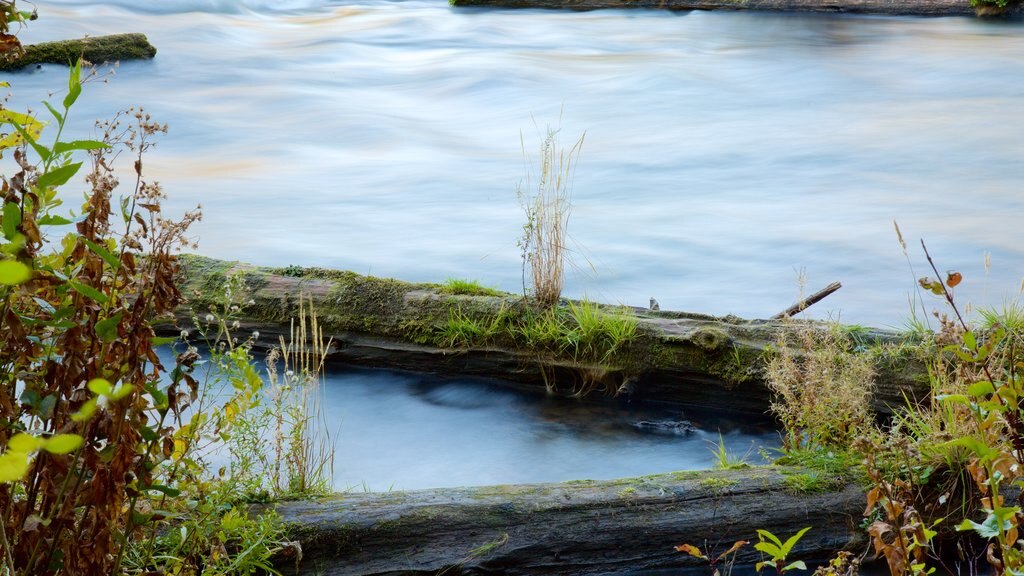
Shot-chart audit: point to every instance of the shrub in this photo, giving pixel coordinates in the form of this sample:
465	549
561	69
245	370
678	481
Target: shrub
822	391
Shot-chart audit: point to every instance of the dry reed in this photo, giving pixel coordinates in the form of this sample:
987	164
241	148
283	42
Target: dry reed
547	204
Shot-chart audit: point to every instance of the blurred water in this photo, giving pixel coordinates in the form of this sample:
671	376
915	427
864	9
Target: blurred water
724	151
405	431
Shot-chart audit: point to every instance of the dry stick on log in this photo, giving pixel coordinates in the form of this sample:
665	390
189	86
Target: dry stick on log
807	302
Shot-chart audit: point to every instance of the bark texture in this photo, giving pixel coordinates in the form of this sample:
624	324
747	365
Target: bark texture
580	528
97	50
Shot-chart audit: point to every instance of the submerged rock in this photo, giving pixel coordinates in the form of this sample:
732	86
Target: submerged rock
670	427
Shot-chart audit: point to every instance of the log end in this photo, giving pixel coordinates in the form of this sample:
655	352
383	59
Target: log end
95	50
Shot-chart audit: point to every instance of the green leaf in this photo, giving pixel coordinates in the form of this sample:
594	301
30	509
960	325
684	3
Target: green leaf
982	388
53	220
768	548
954	399
148	434
61	147
100	387
172	492
798	565
13	272
964	356
981	449
58	176
13	466
788	546
987	529
102	252
162	340
63	443
86	412
74	84
122	391
44	305
106	329
11	219
970	342
88	291
763	564
57	115
22	442
159	396
764	534
43	151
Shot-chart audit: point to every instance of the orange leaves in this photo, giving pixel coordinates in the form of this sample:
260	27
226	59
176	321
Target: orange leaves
691	550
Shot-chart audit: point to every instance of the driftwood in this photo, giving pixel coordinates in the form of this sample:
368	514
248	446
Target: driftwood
889	7
581	528
95	49
694	360
808	302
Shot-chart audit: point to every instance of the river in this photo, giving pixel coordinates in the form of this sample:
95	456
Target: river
724	152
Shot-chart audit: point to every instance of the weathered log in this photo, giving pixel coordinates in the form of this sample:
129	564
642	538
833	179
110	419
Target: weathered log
689	359
888	7
94	49
580	528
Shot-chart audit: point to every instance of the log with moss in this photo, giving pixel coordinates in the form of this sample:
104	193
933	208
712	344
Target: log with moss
887	7
583	527
94	49
690	359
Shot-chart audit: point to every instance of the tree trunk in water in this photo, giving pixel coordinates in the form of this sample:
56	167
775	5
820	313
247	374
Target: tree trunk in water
695	360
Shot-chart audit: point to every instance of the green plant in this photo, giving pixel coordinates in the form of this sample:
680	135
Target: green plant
723	461
467	288
778	551
547	205
93	435
596	334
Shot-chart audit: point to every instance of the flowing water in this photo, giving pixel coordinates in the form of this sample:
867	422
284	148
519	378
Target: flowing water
724	151
405	431
402	431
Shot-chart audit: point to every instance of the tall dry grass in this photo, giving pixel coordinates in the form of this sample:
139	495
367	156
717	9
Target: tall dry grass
302	437
546	200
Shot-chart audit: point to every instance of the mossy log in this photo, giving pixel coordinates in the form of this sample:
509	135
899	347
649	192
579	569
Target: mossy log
887	7
94	49
580	528
689	359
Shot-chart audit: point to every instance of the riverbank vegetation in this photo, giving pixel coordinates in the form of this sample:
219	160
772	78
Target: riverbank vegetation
103	441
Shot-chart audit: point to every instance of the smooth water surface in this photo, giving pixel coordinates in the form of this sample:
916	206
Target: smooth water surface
405	431
724	151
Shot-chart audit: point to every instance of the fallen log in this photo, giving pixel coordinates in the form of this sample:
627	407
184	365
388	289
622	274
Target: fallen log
886	7
580	528
93	49
689	359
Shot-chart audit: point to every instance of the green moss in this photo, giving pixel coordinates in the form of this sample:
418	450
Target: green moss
717	485
97	49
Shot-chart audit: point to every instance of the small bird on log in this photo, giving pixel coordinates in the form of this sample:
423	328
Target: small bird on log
654	304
